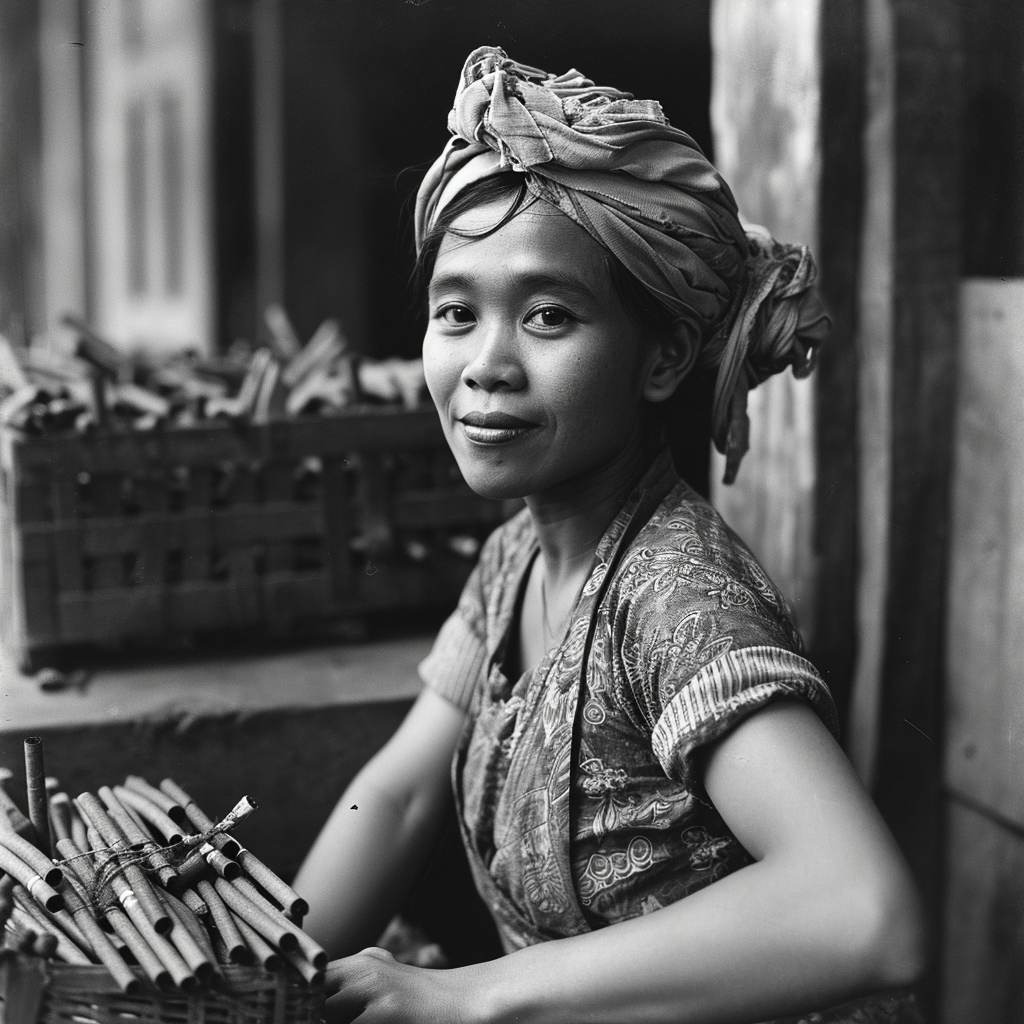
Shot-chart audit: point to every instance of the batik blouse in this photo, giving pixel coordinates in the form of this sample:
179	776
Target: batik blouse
578	784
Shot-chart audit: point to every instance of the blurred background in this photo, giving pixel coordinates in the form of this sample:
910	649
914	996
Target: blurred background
171	168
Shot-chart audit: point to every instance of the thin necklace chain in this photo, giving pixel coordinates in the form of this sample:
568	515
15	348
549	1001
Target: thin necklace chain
549	633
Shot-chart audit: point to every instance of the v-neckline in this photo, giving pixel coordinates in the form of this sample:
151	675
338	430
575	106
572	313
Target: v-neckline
519	578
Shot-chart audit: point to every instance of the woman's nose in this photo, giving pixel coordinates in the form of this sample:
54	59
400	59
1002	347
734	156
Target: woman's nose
495	365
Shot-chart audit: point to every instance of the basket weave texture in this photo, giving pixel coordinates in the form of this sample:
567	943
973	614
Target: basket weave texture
153	536
35	991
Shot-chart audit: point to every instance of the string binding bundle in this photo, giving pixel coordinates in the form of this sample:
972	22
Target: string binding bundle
132	904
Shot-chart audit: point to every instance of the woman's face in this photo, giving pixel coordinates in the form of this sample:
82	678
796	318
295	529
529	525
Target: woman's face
535	368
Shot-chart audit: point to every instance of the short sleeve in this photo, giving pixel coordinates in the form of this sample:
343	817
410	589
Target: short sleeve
456	661
700	651
720	695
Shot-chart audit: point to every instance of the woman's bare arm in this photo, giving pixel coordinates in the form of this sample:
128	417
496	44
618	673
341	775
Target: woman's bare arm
828	912
381	830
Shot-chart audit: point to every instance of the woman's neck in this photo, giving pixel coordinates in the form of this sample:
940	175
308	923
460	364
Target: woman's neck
571	521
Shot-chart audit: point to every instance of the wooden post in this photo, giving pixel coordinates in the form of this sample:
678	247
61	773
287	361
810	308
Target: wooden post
837	486
926	268
20	280
269	157
62	49
765	105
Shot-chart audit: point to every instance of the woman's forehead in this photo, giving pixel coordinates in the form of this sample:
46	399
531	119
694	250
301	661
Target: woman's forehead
536	239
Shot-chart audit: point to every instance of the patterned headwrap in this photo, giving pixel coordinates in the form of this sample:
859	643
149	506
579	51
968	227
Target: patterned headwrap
646	192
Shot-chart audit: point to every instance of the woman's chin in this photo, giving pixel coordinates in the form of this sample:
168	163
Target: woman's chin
495	482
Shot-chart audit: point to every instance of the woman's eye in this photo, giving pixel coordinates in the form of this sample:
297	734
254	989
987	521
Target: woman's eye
549	317
456	316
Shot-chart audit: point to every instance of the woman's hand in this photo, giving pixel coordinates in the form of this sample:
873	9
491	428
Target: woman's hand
374	988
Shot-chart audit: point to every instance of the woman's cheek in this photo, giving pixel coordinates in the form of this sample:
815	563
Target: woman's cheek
438	370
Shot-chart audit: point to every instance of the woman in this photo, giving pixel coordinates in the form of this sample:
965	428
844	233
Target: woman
646	776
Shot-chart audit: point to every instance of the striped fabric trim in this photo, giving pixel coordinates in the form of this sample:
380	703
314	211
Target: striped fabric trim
455	662
727	690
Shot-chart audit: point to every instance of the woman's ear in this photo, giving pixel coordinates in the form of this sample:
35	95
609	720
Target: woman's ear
673	358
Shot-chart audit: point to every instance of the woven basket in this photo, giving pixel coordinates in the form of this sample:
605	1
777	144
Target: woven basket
34	991
149	537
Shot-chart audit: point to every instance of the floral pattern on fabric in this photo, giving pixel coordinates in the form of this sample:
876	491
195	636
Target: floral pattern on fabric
576	786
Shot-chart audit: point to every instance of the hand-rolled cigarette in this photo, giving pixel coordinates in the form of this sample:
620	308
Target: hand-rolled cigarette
262	951
144	955
224	866
184	916
155	816
194	902
311	974
60	919
174	809
41	890
195	815
238	813
138	838
248	392
97	940
31	855
133	876
10	813
60	816
284	339
35	787
138	819
192	868
66	949
321	350
94	349
310	949
294	905
273	930
223	956
237	950
195	957
78	831
265	392
133	834
142	400
80	863
166	953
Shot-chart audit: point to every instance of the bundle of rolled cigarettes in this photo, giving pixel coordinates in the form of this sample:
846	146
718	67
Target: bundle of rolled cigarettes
45	391
137	878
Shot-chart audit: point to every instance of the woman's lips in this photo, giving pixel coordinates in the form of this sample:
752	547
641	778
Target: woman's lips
494	427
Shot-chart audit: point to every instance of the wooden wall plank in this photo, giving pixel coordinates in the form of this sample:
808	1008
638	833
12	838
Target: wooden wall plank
926	267
983	943
836	420
985	644
765	114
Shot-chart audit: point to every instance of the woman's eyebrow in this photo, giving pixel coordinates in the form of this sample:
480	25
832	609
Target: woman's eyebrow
530	281
555	278
450	282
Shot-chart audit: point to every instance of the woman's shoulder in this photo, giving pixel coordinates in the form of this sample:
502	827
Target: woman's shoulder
687	551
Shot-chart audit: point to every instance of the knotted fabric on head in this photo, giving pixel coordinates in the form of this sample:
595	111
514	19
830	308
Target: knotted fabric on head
646	192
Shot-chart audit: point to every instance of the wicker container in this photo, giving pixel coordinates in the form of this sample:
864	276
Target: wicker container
150	537
34	991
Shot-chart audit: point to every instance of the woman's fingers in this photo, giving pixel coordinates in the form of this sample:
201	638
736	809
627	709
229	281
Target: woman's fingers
357	984
373	988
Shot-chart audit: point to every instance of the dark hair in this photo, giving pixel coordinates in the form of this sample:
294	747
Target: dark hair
640	304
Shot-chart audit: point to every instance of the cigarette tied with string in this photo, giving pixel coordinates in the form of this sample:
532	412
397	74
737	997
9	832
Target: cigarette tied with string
142	881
